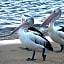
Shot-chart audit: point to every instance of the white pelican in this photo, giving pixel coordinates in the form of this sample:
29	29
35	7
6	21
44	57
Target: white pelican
32	41
57	34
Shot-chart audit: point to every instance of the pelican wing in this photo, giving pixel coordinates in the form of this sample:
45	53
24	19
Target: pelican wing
62	28
37	39
61	34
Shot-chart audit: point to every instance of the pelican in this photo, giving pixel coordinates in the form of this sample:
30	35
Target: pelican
57	34
32	41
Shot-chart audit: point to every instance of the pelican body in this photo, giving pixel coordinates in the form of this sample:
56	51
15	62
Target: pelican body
57	34
32	41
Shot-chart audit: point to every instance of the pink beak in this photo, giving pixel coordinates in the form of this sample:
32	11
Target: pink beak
49	19
24	23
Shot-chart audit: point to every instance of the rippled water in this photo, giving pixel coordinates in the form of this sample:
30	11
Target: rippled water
12	10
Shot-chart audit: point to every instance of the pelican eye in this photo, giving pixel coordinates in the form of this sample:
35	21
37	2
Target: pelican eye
57	10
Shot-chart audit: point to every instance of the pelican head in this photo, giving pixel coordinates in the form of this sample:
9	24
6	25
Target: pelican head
54	15
57	12
28	22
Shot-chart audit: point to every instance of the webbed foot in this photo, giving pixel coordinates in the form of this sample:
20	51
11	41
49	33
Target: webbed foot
30	59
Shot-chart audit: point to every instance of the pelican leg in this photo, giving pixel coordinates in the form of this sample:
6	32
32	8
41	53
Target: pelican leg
31	59
43	54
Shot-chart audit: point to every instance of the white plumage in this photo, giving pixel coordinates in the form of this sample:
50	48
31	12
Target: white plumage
32	41
56	33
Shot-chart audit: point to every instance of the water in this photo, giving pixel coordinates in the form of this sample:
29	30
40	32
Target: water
11	11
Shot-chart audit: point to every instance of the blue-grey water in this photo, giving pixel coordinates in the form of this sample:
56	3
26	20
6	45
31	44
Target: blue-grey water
11	11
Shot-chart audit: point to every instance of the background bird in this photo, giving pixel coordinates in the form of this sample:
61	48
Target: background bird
56	34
